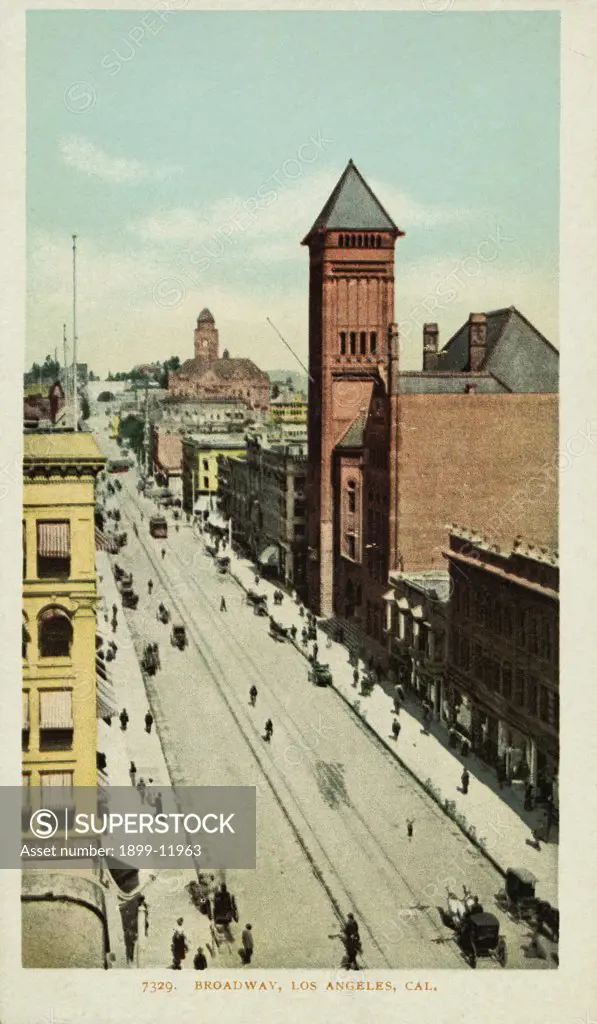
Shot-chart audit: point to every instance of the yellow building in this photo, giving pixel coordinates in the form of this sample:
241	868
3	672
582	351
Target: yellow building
288	410
59	609
200	463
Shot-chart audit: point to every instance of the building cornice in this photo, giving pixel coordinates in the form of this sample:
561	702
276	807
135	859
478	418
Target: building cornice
507	577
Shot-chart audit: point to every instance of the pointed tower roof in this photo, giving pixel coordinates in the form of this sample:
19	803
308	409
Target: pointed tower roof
352	206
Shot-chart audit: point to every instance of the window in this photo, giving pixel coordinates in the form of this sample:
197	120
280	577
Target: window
55	719
466	653
299	509
206	483
351	546
532	695
360	242
378	241
53	549
342	343
353	241
206	465
25	721
543	703
25	638
341	241
506	682
373	342
507	620
533	644
521	636
55	633
352	496
363	343
353	343
519	688
299	530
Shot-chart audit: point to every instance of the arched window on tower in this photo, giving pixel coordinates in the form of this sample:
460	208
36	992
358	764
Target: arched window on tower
378	241
363	340
353	343
341	241
353	241
373	342
342	343
351	493
360	241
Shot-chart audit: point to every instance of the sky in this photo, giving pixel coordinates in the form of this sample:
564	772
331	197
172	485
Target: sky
190	152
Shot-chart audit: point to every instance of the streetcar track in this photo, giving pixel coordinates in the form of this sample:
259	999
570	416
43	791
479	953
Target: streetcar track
210	665
347	812
373	841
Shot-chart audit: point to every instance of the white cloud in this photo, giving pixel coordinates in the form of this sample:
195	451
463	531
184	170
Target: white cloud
83	156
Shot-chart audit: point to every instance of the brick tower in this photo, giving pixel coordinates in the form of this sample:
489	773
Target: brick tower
351	308
206	337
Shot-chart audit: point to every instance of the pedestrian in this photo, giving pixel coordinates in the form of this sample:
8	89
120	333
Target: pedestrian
351	927
400	693
200	960
528	797
315	652
144	916
257	581
141	789
133	773
158	805
396	728
114	624
163	553
465	779
396	706
269	730
149	587
305	637
246	952
179	945
124	719
114	611
223	604
355	677
148	722
352	946
410	827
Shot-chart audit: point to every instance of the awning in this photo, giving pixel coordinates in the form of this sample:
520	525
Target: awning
25	713
53	540
389	595
105	543
56	709
270	556
105	699
403	604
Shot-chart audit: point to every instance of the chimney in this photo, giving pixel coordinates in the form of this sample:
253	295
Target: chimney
477	340
430	346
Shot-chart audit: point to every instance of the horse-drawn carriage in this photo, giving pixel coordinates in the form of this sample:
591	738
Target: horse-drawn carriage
178	637
320	674
163	615
259	602
129	598
519	900
476	932
277	630
151	659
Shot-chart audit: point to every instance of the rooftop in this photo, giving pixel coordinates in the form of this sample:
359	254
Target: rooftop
61	446
352	206
219	441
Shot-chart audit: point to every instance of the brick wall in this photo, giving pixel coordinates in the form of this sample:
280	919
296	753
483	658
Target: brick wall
475	459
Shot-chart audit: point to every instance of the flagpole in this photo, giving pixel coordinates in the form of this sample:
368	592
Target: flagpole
75	375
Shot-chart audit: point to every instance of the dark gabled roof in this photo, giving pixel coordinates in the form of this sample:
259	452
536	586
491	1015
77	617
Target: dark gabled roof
519	357
355	433
352	206
455	355
432	382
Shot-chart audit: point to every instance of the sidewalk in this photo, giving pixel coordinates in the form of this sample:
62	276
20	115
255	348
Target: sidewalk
493	819
163	890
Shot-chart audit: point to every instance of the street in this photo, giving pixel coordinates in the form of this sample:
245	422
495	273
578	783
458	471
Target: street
332	803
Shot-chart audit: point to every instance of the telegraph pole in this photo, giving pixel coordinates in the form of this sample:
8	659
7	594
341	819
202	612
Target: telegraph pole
66	385
146	432
75	375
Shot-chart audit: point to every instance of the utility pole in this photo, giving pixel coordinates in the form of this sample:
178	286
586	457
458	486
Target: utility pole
66	385
146	432
75	375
